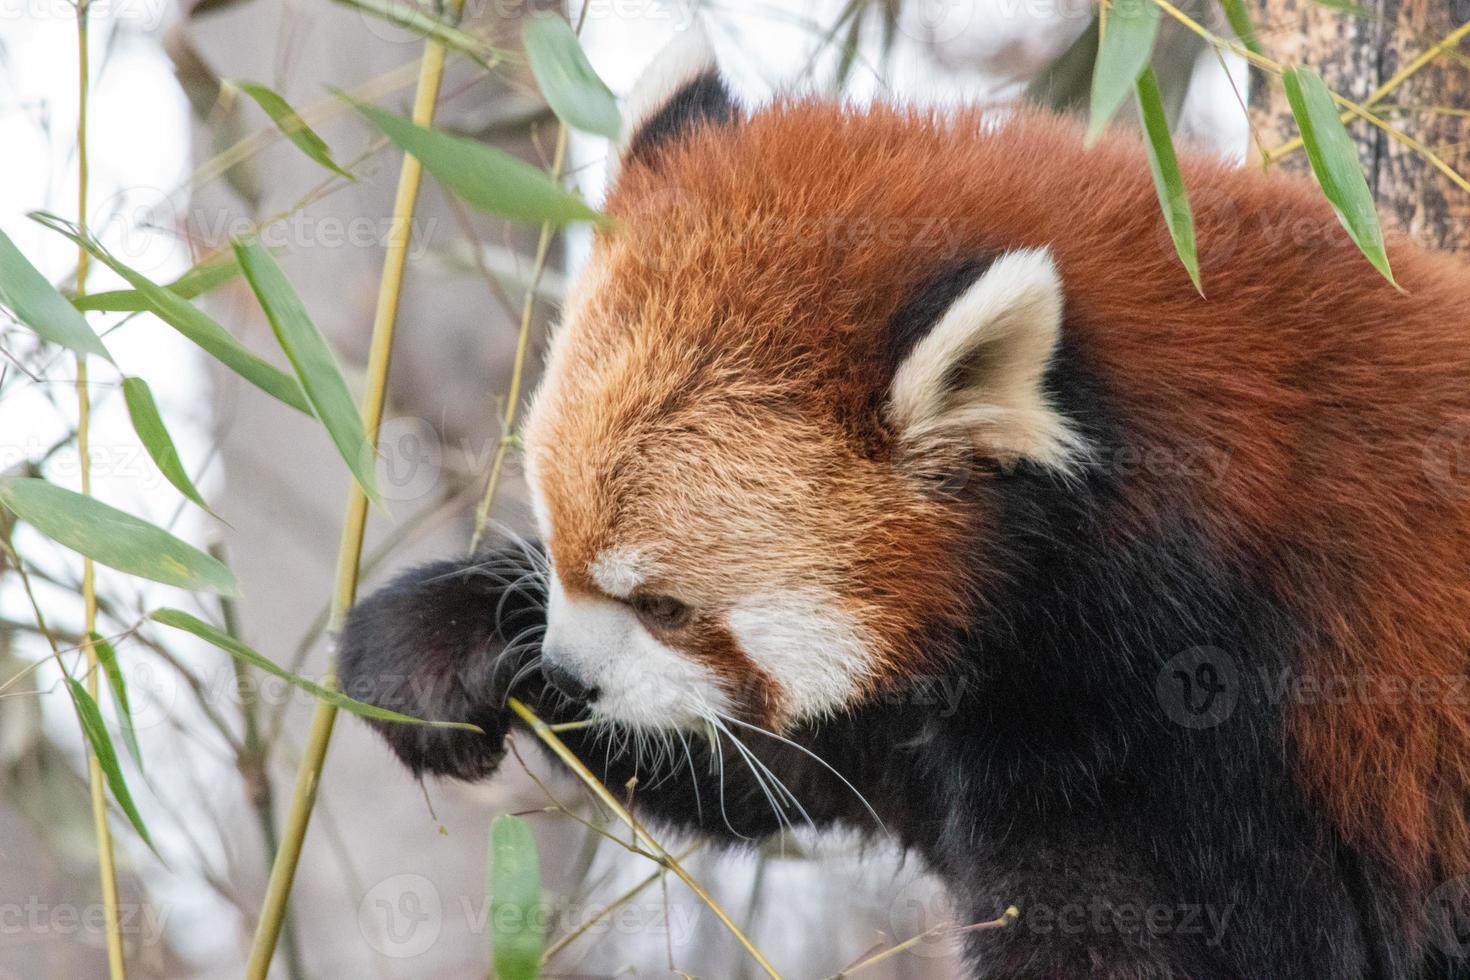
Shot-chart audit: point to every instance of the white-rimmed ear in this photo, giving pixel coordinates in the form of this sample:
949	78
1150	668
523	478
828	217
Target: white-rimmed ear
680	89
978	375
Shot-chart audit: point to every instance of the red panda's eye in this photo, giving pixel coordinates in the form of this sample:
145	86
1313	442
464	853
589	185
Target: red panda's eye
661	611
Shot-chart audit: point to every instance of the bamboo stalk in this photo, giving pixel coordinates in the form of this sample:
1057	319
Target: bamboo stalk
308	776
106	861
640	835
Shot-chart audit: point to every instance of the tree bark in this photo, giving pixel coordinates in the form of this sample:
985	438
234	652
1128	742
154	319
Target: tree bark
1356	52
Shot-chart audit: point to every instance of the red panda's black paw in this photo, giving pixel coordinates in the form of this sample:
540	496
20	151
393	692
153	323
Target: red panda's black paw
448	641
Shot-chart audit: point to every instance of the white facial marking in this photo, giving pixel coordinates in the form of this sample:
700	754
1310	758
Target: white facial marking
640	681
618	571
802	639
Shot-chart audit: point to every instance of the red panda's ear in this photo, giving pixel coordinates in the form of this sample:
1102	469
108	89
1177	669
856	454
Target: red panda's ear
978	376
679	90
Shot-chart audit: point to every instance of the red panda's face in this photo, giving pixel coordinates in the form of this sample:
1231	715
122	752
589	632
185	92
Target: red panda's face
733	467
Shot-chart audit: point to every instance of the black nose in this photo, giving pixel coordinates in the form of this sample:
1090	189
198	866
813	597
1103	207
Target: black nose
568	683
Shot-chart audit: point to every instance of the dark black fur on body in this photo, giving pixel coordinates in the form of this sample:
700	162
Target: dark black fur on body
1062	781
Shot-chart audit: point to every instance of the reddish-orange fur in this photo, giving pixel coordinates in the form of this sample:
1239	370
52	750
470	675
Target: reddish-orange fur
1319	384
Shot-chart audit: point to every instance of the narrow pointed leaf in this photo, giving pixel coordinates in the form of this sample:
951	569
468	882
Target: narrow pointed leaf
572	89
208	275
484	177
516	921
107	658
412	19
112	537
1128	31
316	369
179	619
101	742
290	123
1168	181
1240	23
190	321
1334	160
148	424
35	302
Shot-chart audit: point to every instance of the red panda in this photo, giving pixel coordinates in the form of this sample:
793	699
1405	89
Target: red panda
850	399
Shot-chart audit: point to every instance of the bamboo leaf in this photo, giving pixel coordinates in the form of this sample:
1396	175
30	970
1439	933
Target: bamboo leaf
96	732
1334	160
179	619
1240	23
422	24
316	369
572	89
190	321
487	178
148	424
1168	181
1128	31
107	658
516	924
112	537
290	123
37	304
208	275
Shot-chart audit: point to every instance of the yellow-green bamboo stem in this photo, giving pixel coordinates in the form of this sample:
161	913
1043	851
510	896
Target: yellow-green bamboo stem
640	835
308	776
106	864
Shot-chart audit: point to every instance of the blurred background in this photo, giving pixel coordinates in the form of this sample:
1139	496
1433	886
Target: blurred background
392	882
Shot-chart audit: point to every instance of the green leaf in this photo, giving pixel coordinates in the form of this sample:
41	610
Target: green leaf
487	178
1168	181
1334	160
96	732
572	89
148	423
107	658
208	275
516	921
1240	23
112	537
190	321
290	123
179	619
422	24
37	304
1128	31
309	355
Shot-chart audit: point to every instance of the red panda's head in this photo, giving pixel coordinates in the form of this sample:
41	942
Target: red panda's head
743	463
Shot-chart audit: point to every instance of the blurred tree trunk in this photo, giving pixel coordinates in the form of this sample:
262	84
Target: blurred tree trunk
1358	51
